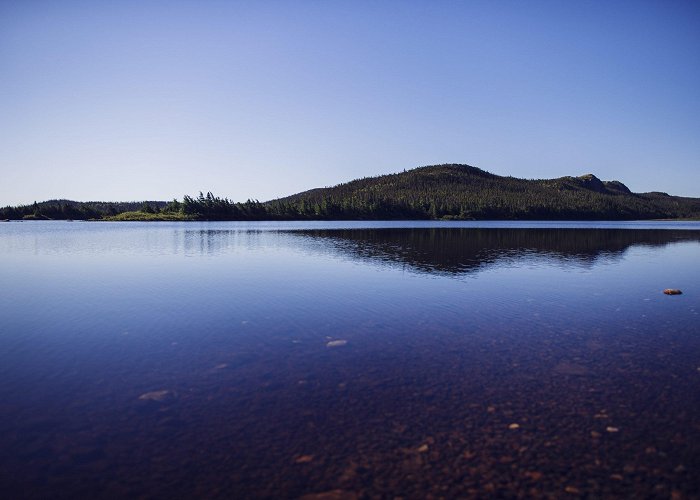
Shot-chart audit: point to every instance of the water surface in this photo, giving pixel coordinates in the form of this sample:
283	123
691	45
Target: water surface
368	359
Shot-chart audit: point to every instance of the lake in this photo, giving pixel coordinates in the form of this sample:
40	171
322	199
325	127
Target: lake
341	360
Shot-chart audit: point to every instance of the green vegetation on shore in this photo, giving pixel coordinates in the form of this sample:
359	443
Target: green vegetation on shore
448	192
146	216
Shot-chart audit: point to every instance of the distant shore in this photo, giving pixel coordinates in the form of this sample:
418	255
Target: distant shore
437	192
179	217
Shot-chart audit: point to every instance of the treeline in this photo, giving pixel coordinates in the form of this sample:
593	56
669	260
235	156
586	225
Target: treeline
438	192
210	207
203	207
68	209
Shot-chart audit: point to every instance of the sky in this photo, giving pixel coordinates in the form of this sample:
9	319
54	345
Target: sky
135	100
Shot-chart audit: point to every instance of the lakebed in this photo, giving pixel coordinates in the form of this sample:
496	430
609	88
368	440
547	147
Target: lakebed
351	359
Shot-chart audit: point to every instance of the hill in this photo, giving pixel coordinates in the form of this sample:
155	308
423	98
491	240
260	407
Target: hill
466	192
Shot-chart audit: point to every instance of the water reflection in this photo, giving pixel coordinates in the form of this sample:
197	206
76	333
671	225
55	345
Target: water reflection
437	249
465	250
215	241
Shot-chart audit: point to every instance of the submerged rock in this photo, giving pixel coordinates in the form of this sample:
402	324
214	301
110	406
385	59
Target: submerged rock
672	291
157	395
336	343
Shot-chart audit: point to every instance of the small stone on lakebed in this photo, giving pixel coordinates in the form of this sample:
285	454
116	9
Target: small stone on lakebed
304	459
672	291
156	395
336	343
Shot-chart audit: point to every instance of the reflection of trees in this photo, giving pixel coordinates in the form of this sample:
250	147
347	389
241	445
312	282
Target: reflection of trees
461	250
216	241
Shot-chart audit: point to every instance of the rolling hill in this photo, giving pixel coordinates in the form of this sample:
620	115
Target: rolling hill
466	192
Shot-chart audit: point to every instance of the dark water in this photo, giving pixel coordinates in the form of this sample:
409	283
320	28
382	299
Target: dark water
365	360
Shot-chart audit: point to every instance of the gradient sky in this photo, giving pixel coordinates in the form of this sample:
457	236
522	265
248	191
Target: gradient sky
135	100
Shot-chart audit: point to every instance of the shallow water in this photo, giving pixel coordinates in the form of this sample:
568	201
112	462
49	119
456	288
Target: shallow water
371	360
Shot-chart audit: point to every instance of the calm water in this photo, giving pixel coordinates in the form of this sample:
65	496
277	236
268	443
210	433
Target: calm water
359	360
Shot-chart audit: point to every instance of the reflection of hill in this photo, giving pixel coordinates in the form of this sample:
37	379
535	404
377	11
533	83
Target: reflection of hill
462	250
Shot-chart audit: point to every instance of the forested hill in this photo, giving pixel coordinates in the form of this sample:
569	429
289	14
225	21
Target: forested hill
435	192
465	192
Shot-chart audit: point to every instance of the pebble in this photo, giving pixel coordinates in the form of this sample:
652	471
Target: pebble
336	343
534	475
514	426
612	429
304	459
156	395
672	291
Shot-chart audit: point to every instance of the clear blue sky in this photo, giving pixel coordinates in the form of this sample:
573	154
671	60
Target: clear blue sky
132	100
